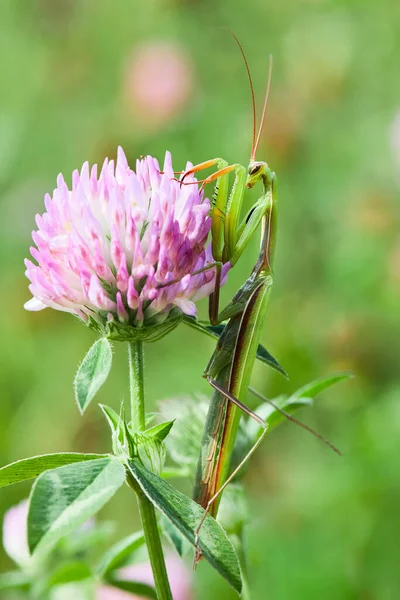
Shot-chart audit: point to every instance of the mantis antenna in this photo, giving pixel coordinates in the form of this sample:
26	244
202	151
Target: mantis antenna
255	148
256	135
253	100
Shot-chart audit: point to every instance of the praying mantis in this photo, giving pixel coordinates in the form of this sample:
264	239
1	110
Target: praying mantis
230	367
229	370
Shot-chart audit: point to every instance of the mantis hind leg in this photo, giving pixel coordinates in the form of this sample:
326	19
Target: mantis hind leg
264	430
215	496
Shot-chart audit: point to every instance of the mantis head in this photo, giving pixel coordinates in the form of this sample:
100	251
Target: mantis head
257	170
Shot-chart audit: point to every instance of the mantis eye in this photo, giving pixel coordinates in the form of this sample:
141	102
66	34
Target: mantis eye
254	169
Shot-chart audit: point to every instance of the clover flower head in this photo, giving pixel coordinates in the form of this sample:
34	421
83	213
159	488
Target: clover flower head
123	247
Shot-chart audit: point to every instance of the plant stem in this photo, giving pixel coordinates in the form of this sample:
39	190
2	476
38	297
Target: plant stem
245	595
136	385
153	542
146	508
238	542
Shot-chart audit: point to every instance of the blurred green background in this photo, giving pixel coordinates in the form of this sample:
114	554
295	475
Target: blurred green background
79	77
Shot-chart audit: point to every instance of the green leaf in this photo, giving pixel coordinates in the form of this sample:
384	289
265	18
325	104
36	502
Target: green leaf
264	356
116	556
185	514
134	587
80	590
69	572
184	441
174	473
215	331
175	538
85	539
92	372
64	498
160	431
117	426
13	579
113	418
234	510
66	572
319	385
28	468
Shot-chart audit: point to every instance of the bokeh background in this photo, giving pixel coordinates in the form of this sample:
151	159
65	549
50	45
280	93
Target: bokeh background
79	77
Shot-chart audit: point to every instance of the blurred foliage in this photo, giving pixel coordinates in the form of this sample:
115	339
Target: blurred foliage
322	526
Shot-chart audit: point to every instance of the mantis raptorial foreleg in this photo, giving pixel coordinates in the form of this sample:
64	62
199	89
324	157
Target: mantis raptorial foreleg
214	265
230	236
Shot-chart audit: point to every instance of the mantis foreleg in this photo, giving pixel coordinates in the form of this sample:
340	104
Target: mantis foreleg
229	237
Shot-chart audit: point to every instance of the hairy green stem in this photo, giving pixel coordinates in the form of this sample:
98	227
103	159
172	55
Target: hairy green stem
146	508
239	545
246	595
153	542
136	385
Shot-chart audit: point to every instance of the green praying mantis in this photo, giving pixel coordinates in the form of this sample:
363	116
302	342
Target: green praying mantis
230	368
242	320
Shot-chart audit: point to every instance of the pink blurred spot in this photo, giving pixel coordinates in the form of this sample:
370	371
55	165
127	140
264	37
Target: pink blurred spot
158	82
179	578
15	533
